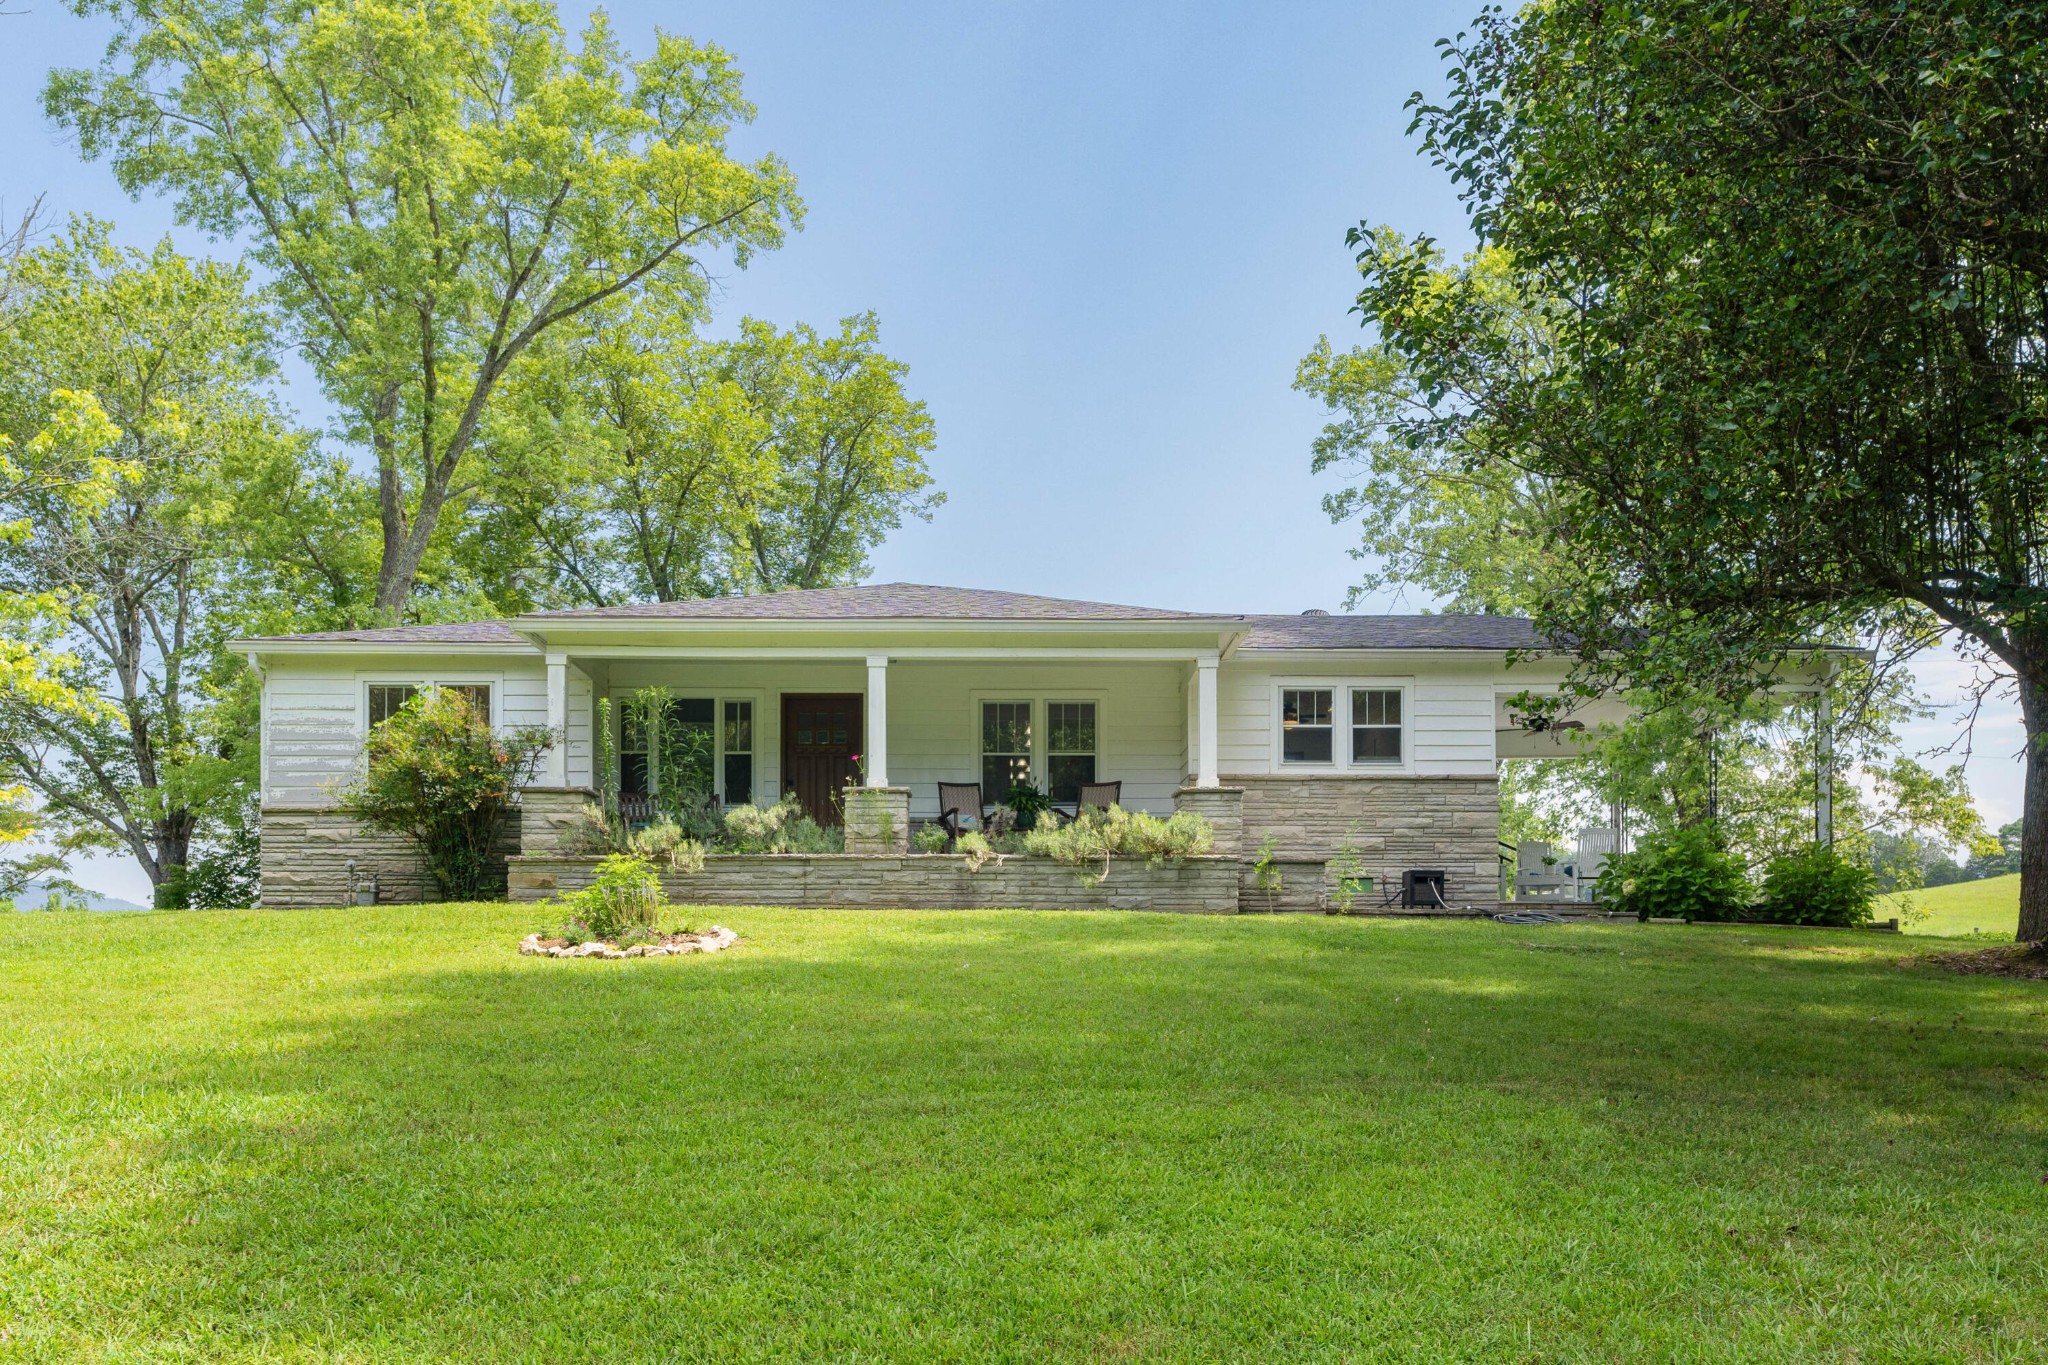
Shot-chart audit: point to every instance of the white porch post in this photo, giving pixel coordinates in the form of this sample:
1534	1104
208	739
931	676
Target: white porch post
875	744
558	720
1824	779
1205	721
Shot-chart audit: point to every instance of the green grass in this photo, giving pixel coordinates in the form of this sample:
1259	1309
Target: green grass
381	1135
1990	906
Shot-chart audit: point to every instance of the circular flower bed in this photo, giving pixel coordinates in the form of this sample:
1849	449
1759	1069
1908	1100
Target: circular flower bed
669	945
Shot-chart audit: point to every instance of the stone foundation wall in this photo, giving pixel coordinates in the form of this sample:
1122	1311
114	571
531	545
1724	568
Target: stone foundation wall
306	850
877	819
912	881
1392	824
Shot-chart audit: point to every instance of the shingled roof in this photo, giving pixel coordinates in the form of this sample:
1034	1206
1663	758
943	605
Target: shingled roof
921	602
1389	632
875	602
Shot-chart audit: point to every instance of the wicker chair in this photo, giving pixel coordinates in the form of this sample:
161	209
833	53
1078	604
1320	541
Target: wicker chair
1100	795
957	799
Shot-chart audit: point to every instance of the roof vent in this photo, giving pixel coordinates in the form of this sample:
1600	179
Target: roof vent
1315	611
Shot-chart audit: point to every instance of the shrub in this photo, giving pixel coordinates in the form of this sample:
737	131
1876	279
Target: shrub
627	893
931	839
780	828
1097	836
1026	804
979	852
1677	874
438	774
666	841
1816	886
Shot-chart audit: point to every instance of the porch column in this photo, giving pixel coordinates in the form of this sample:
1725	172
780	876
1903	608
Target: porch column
876	742
1205	721
557	763
1824	779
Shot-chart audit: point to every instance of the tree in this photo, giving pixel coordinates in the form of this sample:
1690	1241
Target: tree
1480	534
652	465
122	568
1794	265
433	187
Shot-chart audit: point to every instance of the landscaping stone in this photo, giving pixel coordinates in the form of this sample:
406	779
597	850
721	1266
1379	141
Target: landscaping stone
712	940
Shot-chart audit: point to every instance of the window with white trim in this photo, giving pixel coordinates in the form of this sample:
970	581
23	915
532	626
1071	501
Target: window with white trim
1376	726
388	699
1306	725
739	752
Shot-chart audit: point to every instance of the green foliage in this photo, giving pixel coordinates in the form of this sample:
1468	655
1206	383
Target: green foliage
437	773
227	875
1788	382
930	839
1266	873
432	192
666	841
1026	804
1097	836
645	462
131	431
780	828
626	893
1816	885
1677	874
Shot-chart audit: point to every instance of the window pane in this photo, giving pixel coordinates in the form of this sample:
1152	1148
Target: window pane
478	695
633	773
1305	744
739	779
739	727
1070	727
999	772
1305	706
1006	727
1376	744
1066	772
386	699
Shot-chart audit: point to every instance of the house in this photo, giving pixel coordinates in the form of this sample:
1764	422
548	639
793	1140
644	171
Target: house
1314	736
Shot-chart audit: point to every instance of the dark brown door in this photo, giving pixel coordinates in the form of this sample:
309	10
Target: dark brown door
820	739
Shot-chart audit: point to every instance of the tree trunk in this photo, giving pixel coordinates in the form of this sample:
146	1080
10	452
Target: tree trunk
2034	832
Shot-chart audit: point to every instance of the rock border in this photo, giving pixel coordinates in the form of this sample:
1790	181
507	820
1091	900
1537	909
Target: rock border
712	940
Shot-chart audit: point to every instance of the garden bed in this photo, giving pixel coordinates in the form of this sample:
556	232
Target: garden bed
937	881
715	939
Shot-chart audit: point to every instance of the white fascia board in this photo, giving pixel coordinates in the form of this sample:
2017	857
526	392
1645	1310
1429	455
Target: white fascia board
255	649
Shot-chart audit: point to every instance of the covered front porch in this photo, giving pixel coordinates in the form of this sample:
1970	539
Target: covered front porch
750	726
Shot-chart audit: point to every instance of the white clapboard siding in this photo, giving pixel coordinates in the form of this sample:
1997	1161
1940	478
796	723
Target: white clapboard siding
1449	711
314	708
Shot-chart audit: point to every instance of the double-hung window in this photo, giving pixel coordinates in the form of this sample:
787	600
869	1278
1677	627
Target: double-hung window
739	752
1069	748
666	746
1306	724
1005	747
388	699
1376	726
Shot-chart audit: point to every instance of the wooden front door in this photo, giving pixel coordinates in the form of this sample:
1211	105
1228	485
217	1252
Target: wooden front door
820	739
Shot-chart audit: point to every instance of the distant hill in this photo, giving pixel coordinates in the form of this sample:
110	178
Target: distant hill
38	895
1988	906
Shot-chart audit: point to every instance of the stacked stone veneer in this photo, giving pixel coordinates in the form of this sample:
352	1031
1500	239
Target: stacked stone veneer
913	881
305	853
877	819
1392	824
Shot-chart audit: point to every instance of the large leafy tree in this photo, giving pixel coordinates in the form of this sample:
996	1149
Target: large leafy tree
1793	260
432	187
131	380
655	465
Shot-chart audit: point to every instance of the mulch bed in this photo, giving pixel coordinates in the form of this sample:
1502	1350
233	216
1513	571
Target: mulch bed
2027	961
712	940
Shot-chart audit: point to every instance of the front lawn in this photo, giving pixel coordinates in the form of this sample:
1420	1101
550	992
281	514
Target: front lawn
1990	906
382	1135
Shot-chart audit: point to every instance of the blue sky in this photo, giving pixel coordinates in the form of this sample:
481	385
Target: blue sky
1101	236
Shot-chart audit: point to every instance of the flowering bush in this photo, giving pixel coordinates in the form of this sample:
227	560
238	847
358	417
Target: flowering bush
438	774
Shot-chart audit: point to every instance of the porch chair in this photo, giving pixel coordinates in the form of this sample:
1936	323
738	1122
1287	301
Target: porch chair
961	798
1100	795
